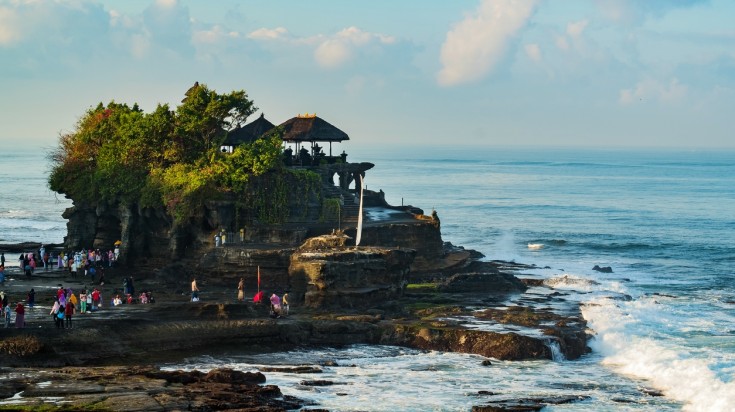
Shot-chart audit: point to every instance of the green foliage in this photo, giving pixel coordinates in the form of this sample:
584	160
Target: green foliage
331	210
170	158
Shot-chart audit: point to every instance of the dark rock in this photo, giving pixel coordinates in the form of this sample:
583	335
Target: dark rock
482	283
604	269
317	383
529	404
486	363
291	369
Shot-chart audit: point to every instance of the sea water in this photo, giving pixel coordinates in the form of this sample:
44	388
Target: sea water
29	211
663	321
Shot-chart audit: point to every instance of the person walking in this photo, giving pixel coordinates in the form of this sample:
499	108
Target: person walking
55	313
6	314
31	298
20	316
194	290
284	304
68	312
241	290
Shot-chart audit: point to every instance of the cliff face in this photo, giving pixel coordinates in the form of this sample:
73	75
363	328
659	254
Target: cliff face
324	273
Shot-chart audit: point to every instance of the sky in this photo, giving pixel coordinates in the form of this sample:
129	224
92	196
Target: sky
536	73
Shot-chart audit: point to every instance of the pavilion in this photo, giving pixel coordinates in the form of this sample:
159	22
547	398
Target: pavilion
247	133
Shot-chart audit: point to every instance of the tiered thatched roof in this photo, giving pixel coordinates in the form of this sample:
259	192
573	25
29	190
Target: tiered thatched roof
310	128
249	132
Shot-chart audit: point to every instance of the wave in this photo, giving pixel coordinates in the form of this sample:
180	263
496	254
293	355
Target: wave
567	281
633	337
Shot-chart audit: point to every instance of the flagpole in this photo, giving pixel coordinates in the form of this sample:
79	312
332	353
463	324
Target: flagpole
359	215
258	279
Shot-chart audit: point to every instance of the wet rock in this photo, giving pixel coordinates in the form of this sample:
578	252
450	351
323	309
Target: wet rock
482	283
486	363
291	369
528	404
603	269
317	383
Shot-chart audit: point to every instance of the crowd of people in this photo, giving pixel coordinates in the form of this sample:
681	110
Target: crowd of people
91	262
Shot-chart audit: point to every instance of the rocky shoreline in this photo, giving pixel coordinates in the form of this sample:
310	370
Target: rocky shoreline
428	316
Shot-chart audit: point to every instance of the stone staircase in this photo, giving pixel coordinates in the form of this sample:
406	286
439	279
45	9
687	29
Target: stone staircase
350	208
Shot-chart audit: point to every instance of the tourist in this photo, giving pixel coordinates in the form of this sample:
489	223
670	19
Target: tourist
194	290
2	258
101	281
72	298
4	299
284	304
20	316
32	262
117	301
68	312
55	310
143	297
31	298
95	299
275	305
241	290
83	301
88	308
6	313
2	273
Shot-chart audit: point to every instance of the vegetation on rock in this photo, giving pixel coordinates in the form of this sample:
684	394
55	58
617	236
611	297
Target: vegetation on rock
171	158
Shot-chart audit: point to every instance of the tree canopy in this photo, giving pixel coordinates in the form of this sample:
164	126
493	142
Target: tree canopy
167	157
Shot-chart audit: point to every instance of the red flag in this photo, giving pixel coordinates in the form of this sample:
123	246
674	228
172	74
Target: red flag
258	278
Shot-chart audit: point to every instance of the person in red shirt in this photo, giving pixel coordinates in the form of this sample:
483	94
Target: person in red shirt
20	316
68	311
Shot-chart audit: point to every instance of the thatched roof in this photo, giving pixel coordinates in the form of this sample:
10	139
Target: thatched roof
310	128
249	132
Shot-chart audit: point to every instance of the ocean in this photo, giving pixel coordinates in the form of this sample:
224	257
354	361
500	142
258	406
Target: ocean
663	320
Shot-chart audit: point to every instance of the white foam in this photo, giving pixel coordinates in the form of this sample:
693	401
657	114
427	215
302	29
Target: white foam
619	328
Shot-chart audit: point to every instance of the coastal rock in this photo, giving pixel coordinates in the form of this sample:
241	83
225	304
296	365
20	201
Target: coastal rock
503	346
603	269
347	277
137	388
497	282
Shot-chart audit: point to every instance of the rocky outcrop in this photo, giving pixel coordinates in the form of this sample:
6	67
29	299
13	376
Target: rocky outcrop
139	388
503	346
498	282
325	273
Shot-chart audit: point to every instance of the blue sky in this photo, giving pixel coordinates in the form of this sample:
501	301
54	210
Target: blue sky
594	73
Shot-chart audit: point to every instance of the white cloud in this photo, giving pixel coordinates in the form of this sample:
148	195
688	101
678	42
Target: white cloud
332	54
335	51
533	51
575	29
652	89
9	32
213	35
268	34
478	43
166	3
635	11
